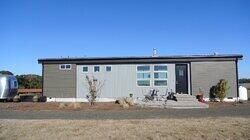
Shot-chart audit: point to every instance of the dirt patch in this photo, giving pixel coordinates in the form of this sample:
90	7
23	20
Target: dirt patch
29	106
23	106
204	128
227	104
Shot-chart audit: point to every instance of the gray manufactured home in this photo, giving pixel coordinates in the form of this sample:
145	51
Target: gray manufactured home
65	77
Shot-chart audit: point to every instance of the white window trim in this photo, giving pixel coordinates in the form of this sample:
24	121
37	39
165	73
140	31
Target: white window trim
106	68
85	71
160	79
65	67
147	79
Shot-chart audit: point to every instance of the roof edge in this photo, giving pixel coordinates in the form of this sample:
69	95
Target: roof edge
237	56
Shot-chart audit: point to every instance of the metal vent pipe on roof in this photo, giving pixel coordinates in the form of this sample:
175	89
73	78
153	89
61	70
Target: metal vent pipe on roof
154	52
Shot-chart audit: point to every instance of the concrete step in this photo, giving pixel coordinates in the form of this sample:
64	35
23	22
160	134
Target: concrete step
183	102
174	104
185	97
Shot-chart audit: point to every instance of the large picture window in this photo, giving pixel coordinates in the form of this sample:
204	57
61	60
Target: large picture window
160	75
143	75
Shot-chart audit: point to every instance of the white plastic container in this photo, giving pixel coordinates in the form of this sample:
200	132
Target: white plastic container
243	93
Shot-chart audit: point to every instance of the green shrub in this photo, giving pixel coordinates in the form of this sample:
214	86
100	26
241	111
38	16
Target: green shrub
212	93
221	89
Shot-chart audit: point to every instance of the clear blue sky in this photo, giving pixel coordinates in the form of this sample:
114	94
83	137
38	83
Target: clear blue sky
32	29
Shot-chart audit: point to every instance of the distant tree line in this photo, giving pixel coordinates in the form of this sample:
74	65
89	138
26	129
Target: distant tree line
29	81
26	81
244	80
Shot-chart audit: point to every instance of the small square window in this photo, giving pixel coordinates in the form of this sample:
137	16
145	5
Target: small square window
108	68
65	67
62	66
85	69
181	73
68	66
96	69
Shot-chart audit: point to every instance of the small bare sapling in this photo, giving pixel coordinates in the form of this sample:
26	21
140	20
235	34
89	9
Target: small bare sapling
94	87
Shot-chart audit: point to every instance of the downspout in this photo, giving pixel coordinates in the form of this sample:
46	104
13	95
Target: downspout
190	78
237	79
42	78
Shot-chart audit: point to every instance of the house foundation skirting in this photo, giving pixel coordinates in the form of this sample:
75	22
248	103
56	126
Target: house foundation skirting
225	100
112	99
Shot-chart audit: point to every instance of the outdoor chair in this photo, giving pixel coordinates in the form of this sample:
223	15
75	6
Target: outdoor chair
153	94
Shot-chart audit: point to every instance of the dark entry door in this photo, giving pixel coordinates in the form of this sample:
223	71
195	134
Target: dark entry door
181	78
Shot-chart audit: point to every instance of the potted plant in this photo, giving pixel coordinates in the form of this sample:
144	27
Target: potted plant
199	96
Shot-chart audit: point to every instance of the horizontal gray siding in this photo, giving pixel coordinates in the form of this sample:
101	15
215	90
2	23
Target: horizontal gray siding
59	83
204	75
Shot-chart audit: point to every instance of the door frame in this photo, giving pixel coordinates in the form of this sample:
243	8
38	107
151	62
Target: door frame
188	77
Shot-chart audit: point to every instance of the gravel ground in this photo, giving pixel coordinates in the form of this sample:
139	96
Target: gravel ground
133	113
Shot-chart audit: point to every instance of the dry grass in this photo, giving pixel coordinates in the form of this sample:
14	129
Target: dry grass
205	128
